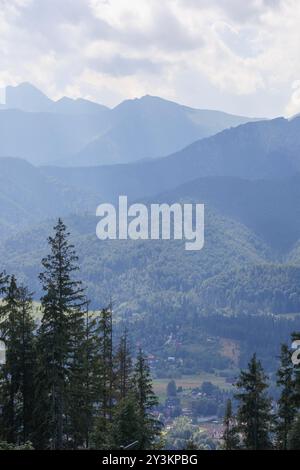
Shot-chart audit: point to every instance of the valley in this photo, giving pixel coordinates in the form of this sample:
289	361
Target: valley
197	314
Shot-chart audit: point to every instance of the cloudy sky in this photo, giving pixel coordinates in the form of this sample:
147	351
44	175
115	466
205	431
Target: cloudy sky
236	55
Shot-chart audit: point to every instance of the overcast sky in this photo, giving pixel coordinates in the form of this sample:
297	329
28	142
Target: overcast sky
241	56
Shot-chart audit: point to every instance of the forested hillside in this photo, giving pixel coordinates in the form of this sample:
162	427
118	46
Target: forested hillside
256	150
249	268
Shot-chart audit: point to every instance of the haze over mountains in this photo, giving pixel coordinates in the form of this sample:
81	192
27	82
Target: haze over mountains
247	176
82	133
266	149
250	261
28	196
270	208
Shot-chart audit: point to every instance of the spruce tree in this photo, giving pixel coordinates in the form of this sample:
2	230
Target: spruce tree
59	335
124	367
254	412
126	424
107	363
27	360
294	435
9	371
146	400
90	376
77	395
230	434
106	393
85	383
286	403
17	384
191	445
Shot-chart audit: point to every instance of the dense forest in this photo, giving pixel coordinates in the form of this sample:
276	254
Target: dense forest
72	381
64	384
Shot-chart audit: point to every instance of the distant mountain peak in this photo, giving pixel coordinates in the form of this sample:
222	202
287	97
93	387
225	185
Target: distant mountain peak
77	105
26	97
26	86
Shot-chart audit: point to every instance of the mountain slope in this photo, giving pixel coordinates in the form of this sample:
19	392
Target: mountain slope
45	137
152	127
176	302
138	272
270	208
259	150
27	196
28	98
80	132
234	273
237	285
241	252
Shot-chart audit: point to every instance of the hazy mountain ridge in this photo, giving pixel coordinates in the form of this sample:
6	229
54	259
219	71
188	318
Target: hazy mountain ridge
260	150
43	137
270	208
152	127
235	272
28	196
80	132
143	276
248	178
28	98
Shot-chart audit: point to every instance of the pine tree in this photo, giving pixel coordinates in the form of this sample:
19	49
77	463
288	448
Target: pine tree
286	403
230	434
9	372
191	445
126	424
76	408
17	385
59	335
124	368
254	413
107	363
106	392
27	362
85	386
294	435
146	400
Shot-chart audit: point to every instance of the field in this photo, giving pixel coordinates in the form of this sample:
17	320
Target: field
188	382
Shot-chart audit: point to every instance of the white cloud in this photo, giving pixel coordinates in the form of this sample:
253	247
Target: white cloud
227	54
293	106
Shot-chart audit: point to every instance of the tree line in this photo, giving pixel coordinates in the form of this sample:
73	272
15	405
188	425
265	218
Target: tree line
64	384
260	423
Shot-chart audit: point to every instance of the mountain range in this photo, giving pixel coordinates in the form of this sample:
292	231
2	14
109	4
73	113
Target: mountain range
78	132
259	150
250	260
247	175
